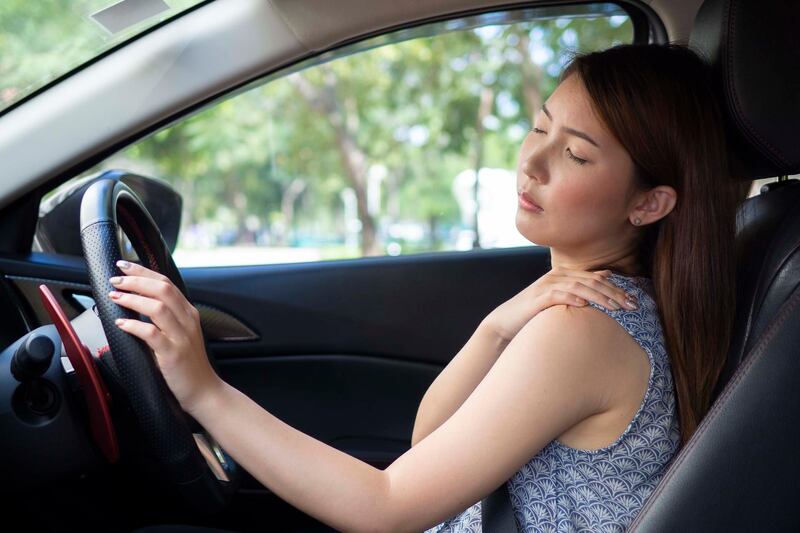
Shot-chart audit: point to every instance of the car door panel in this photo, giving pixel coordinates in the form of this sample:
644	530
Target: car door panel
344	350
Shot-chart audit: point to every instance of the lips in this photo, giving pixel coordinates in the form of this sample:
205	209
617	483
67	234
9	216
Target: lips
527	202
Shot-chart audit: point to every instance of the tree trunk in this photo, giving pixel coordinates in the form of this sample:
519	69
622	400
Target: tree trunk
237	201
432	225
531	77
344	119
484	108
288	198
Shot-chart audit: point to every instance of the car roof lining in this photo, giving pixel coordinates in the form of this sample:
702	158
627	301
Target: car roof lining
199	56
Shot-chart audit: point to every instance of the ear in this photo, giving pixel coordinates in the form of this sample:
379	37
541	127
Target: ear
652	205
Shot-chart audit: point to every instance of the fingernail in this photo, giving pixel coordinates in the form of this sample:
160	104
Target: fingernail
630	303
119	321
114	294
124	265
115	280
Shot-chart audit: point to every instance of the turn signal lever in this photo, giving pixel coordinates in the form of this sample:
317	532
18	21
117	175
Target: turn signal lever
32	358
30	362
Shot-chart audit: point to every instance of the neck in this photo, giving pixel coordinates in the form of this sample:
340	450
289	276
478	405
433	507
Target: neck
626	262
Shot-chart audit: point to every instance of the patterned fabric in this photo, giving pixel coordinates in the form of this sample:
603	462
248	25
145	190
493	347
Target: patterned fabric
564	489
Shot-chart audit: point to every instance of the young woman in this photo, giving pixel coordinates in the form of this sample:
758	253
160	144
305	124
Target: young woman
571	392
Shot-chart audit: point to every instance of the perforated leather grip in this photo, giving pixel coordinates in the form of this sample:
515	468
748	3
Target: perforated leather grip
160	418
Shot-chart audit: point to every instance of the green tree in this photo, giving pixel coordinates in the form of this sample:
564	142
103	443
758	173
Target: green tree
420	110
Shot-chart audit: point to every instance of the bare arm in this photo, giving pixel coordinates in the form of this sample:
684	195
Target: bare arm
539	387
466	370
456	382
543	383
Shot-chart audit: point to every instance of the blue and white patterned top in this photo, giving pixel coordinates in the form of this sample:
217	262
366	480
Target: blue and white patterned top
564	489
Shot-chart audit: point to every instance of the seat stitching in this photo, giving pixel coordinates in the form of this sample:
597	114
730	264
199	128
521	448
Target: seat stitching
773	153
755	354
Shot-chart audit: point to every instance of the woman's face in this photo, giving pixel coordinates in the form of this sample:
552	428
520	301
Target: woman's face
572	167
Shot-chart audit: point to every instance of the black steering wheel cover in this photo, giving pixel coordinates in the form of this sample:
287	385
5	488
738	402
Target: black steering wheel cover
157	411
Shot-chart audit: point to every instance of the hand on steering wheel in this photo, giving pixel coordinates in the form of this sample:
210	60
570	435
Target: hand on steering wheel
174	334
137	378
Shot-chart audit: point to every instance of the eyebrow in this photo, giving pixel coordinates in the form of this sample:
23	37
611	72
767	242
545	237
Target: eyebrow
573	131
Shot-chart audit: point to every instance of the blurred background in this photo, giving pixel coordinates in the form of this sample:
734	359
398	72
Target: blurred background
397	145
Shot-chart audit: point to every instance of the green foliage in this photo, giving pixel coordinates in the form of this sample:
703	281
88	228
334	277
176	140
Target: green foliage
44	39
270	165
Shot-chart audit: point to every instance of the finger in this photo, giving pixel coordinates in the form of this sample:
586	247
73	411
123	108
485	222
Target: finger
148	333
150	287
566	297
601	284
163	291
601	294
159	312
612	291
136	269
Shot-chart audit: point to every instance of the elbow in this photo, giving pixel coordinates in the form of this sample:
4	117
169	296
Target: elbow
380	515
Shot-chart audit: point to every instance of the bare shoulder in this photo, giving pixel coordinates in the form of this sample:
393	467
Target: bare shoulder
578	327
593	343
551	379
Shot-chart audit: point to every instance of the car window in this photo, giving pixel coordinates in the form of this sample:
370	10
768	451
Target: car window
373	149
43	40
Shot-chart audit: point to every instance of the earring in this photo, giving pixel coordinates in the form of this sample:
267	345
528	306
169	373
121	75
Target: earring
637	221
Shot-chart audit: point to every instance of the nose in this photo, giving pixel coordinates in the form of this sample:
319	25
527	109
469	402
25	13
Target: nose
533	161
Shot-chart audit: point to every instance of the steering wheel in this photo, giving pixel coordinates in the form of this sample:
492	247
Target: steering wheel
129	368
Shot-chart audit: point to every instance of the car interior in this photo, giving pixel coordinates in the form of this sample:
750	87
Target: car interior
327	346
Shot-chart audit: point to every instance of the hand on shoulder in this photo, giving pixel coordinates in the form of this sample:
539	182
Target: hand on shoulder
558	287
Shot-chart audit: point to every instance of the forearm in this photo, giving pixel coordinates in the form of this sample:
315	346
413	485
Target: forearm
330	485
456	382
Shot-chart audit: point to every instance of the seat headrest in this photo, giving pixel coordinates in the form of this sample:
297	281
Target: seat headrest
754	51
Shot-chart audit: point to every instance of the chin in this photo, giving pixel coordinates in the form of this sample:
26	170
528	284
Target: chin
529	229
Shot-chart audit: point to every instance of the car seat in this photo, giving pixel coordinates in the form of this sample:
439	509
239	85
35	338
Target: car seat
740	471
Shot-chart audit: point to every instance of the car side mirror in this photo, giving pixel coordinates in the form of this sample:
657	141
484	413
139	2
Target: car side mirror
58	229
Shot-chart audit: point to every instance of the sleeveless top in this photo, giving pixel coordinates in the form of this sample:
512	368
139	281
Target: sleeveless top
564	489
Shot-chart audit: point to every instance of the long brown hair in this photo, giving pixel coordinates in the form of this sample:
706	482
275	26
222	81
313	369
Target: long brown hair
657	100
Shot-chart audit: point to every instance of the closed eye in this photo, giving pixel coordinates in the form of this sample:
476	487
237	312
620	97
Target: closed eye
577	160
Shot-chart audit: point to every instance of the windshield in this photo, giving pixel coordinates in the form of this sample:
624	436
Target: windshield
45	39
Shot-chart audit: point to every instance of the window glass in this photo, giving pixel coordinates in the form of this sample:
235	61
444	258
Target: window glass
45	39
372	150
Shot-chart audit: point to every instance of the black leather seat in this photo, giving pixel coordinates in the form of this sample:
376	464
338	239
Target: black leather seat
740	471
768	271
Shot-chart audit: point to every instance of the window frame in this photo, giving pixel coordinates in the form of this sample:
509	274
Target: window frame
647	27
